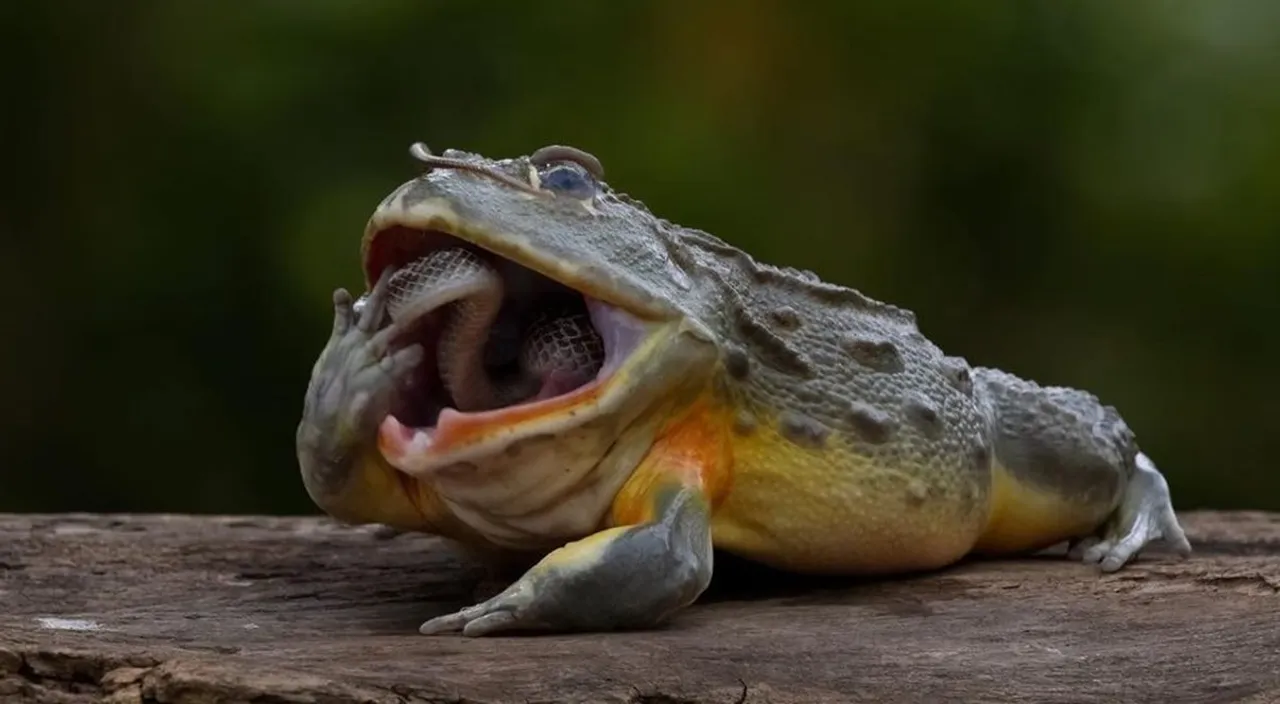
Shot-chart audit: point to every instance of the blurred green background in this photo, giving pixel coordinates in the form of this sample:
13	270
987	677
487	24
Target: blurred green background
1082	193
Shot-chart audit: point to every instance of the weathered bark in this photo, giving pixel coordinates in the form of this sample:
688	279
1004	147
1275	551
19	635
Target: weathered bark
212	609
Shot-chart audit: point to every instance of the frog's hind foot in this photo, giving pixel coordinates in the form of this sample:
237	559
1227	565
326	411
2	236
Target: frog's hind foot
1145	515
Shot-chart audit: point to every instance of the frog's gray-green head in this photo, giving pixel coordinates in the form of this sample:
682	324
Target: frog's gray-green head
556	236
551	212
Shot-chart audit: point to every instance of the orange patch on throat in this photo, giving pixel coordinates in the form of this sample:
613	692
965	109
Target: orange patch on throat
694	451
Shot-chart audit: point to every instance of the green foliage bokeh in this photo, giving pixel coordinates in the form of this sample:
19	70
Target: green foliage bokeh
1081	193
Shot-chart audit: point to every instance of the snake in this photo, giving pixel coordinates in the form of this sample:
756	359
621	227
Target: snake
559	348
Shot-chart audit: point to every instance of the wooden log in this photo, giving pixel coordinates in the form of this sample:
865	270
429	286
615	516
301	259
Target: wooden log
186	609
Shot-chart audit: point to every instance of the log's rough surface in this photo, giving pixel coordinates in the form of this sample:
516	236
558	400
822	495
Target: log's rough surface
169	609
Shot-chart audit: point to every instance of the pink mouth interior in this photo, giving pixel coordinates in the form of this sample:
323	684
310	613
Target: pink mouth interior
425	418
408	448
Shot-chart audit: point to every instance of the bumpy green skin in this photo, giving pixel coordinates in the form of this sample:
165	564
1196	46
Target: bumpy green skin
825	364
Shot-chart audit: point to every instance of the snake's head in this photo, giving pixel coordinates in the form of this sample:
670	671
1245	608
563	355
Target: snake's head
560	238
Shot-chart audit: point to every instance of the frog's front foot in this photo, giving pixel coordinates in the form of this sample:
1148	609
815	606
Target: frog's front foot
625	577
353	384
1144	516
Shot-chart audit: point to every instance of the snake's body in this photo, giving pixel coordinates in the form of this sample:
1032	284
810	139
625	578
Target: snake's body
560	350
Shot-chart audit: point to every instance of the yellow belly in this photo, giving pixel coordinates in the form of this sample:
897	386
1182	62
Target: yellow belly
835	511
1025	518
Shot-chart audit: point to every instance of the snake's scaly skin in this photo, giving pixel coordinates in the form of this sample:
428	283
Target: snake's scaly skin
563	349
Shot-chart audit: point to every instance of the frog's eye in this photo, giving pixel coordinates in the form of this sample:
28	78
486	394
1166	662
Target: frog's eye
567	170
568	179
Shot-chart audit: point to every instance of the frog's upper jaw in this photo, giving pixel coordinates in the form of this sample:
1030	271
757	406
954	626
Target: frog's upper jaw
652	351
555	218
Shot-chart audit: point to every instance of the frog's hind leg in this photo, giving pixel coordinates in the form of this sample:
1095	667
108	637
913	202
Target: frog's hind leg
1068	468
1145	514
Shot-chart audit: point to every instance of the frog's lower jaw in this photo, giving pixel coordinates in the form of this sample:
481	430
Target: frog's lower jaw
534	475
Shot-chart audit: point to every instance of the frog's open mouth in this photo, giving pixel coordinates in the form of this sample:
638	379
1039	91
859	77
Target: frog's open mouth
503	345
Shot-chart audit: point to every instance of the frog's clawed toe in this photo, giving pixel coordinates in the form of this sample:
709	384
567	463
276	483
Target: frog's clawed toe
504	612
